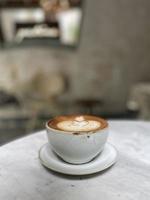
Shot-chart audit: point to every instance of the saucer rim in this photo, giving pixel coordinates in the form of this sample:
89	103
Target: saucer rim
107	165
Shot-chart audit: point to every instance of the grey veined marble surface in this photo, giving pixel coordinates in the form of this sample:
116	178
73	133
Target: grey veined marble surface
22	177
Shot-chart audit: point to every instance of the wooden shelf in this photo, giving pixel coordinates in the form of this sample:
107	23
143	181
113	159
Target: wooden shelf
18	4
51	42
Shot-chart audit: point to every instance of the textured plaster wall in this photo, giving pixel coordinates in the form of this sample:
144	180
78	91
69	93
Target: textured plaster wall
114	54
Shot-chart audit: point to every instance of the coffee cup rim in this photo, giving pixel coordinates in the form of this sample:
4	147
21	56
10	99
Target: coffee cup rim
105	125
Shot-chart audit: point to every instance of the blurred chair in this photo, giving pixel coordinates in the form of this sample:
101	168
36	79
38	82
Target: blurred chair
140	100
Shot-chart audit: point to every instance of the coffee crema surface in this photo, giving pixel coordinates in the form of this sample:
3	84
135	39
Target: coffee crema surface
77	123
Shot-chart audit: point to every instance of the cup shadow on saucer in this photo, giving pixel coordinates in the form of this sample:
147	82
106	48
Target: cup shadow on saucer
78	177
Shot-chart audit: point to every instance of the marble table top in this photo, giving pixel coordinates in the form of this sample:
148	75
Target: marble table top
22	177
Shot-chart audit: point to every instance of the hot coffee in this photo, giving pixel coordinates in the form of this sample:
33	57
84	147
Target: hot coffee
77	123
77	138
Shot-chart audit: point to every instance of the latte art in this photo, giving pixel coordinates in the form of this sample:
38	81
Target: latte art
79	124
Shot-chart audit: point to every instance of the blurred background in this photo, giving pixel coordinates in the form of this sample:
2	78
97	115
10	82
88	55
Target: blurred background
72	56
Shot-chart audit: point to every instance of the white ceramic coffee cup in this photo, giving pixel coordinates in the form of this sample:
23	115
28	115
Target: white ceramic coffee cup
77	148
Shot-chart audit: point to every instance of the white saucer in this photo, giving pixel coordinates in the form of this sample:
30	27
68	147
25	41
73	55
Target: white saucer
104	160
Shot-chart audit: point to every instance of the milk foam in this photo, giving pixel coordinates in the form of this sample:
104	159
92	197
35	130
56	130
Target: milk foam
79	124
